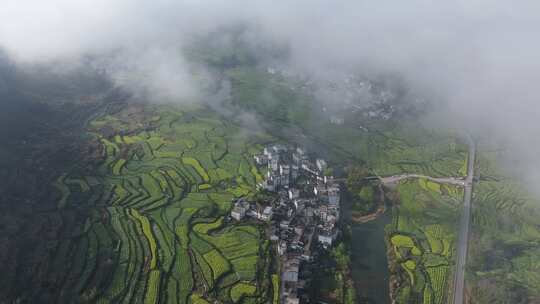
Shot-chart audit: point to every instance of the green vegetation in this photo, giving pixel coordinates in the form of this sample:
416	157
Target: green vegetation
275	288
118	166
142	215
198	299
64	191
504	252
333	283
195	164
399	145
422	237
217	262
147	230
240	290
134	206
399	240
152	288
156	229
362	191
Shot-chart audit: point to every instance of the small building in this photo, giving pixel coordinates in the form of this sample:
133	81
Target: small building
306	256
290	272
308	212
290	213
294	193
238	213
323	212
321	164
306	167
284	180
332	218
294	172
325	239
333	196
240	209
299	205
327	236
279	148
292	300
337	120
269	185
273	164
299	230
282	248
266	214
284	169
299	156
319	189
261	159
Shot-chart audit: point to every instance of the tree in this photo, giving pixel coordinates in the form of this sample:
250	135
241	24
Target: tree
356	178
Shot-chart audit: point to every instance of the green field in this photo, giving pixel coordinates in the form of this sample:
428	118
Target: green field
421	238
504	247
156	231
402	144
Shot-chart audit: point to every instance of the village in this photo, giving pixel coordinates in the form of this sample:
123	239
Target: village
302	219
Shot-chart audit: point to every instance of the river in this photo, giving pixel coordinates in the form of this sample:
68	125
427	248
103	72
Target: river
369	263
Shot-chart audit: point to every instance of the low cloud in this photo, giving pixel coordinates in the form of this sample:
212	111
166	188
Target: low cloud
478	59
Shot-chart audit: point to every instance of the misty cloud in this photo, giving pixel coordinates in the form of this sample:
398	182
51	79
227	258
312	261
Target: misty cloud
478	59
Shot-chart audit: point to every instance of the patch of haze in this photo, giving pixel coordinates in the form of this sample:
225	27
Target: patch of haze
136	42
160	73
478	59
220	101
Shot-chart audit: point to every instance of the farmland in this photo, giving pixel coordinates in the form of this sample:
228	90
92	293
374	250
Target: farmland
504	249
421	240
156	229
106	200
115	202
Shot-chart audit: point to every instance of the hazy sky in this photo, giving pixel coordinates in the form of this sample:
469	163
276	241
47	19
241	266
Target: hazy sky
479	57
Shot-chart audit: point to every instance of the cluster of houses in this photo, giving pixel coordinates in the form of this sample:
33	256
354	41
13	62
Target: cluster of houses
304	215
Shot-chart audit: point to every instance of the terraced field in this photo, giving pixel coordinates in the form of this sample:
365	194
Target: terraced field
421	238
157	232
504	247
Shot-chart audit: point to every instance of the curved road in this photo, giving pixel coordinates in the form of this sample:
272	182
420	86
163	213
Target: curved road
463	241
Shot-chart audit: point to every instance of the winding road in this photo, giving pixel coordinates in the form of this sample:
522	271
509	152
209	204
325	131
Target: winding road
463	241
